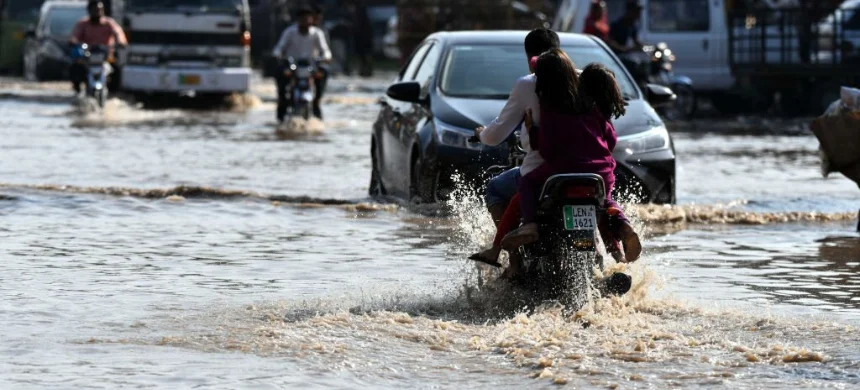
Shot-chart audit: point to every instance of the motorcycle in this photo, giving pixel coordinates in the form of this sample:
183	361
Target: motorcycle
571	212
300	75
654	65
98	60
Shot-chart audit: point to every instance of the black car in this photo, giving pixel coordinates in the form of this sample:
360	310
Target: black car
456	81
46	50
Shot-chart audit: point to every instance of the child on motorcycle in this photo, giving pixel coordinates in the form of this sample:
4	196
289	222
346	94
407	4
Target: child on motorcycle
578	138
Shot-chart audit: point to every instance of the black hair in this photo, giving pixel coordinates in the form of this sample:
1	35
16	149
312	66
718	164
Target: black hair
93	3
600	91
540	40
558	83
304	11
316	9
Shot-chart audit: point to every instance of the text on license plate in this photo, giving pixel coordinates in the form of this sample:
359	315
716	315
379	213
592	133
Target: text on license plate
189	79
580	218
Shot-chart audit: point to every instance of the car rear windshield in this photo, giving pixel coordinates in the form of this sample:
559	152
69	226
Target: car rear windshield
61	20
489	71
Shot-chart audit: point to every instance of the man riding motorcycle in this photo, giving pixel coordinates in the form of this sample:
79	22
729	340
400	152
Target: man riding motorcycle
94	30
306	41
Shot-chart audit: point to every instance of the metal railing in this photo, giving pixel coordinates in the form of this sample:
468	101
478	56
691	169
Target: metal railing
795	40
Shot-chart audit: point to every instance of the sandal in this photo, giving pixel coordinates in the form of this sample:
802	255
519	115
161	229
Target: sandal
486	257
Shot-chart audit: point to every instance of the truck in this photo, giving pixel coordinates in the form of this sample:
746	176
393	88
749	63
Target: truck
186	47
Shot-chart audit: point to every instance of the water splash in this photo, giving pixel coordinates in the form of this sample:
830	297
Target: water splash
298	128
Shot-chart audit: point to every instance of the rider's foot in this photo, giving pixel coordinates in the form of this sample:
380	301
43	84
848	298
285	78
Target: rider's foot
630	240
317	112
525	234
618	255
489	256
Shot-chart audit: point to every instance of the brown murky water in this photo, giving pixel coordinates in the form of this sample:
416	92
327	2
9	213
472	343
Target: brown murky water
181	248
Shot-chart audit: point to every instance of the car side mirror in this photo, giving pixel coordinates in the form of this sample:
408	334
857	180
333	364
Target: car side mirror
407	91
30	34
660	96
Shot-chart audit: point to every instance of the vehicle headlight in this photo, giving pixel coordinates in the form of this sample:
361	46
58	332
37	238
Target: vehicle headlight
455	136
656	138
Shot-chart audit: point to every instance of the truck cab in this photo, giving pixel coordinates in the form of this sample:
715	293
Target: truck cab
196	47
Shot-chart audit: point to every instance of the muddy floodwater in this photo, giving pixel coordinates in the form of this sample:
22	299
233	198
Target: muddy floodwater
201	248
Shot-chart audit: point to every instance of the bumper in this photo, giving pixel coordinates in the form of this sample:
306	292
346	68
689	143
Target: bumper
150	79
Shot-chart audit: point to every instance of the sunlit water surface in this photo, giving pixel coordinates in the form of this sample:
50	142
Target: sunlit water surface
282	273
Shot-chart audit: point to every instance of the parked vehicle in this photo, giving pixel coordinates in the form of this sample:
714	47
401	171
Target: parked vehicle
445	91
196	47
46	50
16	18
98	60
654	65
301	74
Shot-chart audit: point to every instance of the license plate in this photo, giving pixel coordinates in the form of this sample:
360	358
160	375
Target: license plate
189	79
579	218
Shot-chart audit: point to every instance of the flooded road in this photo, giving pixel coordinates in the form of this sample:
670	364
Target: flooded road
181	248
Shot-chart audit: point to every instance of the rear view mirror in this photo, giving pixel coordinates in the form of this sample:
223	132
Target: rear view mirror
408	91
30	34
660	96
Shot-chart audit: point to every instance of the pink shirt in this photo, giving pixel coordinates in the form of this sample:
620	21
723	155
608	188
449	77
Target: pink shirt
107	32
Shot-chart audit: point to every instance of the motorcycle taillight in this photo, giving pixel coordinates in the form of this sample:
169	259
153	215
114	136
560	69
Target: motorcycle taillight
580	192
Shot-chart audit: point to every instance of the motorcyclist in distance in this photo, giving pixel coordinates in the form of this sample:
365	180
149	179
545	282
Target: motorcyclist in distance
306	41
96	29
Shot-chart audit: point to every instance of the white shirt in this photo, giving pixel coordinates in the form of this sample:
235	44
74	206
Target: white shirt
523	97
297	45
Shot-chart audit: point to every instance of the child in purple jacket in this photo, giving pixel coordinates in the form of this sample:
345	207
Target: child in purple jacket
575	136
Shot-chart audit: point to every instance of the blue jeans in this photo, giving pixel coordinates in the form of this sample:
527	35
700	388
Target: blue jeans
503	187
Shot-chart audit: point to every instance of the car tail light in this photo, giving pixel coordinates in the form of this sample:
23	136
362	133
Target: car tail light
246	38
580	192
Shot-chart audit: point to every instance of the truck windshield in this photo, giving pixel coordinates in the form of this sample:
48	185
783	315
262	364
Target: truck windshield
202	4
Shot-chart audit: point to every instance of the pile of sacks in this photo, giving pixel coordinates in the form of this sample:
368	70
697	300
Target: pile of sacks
838	131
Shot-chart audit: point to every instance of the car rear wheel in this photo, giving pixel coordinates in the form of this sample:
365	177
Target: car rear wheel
376	187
